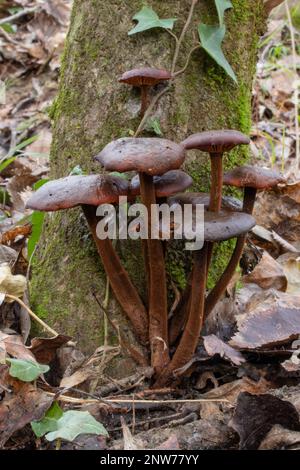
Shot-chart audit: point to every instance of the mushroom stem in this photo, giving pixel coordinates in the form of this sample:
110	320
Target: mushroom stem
158	308
190	337
220	287
215	192
144	99
180	315
122	286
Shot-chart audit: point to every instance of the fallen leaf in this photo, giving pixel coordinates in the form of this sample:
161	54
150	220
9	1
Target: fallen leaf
14	346
44	349
10	284
267	274
24	404
280	438
270	324
290	263
170	444
255	415
231	390
214	345
130	442
26	370
77	378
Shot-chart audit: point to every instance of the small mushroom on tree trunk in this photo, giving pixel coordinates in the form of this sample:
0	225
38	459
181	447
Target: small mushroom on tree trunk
149	157
144	78
90	192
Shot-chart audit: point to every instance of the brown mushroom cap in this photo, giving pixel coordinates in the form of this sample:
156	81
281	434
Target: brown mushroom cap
73	191
252	177
221	226
228	202
226	224
153	156
215	141
146	76
165	185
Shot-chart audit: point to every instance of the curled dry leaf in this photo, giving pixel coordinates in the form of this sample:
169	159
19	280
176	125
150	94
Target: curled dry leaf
14	346
44	349
267	274
271	324
10	284
290	263
231	390
280	438
255	415
25	403
214	345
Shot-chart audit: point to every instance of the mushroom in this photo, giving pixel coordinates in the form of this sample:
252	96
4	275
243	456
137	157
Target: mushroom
149	157
179	317
216	143
144	78
251	179
217	227
89	192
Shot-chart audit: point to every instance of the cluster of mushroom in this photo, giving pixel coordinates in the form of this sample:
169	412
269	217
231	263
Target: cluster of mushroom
171	341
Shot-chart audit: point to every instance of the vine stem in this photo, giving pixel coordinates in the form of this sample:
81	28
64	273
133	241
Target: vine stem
183	33
179	72
178	41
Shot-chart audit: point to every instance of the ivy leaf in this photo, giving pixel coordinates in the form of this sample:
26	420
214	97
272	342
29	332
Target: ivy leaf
211	38
27	371
222	6
73	423
153	125
148	19
49	422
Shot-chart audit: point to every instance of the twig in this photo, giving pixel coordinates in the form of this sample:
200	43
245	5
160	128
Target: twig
181	37
173	35
33	315
16	16
179	72
134	353
149	110
68	399
296	97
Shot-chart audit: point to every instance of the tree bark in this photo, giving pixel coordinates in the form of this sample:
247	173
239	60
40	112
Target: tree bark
92	109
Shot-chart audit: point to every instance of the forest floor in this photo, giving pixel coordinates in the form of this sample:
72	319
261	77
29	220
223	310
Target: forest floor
244	384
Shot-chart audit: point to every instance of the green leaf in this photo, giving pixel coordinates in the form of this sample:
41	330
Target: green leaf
153	125
73	423
27	371
148	19
6	162
211	38
22	145
49	422
222	6
9	28
77	170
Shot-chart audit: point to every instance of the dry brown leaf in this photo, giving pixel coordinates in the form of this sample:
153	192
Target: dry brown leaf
25	403
14	346
255	415
44	349
267	274
10	284
77	378
280	438
290	263
272	323
231	390
214	345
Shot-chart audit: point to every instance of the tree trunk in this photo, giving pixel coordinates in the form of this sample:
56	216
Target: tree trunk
92	109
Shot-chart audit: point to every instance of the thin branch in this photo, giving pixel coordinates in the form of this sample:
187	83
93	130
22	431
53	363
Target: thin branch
296	96
179	72
16	16
150	109
33	315
181	37
173	35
